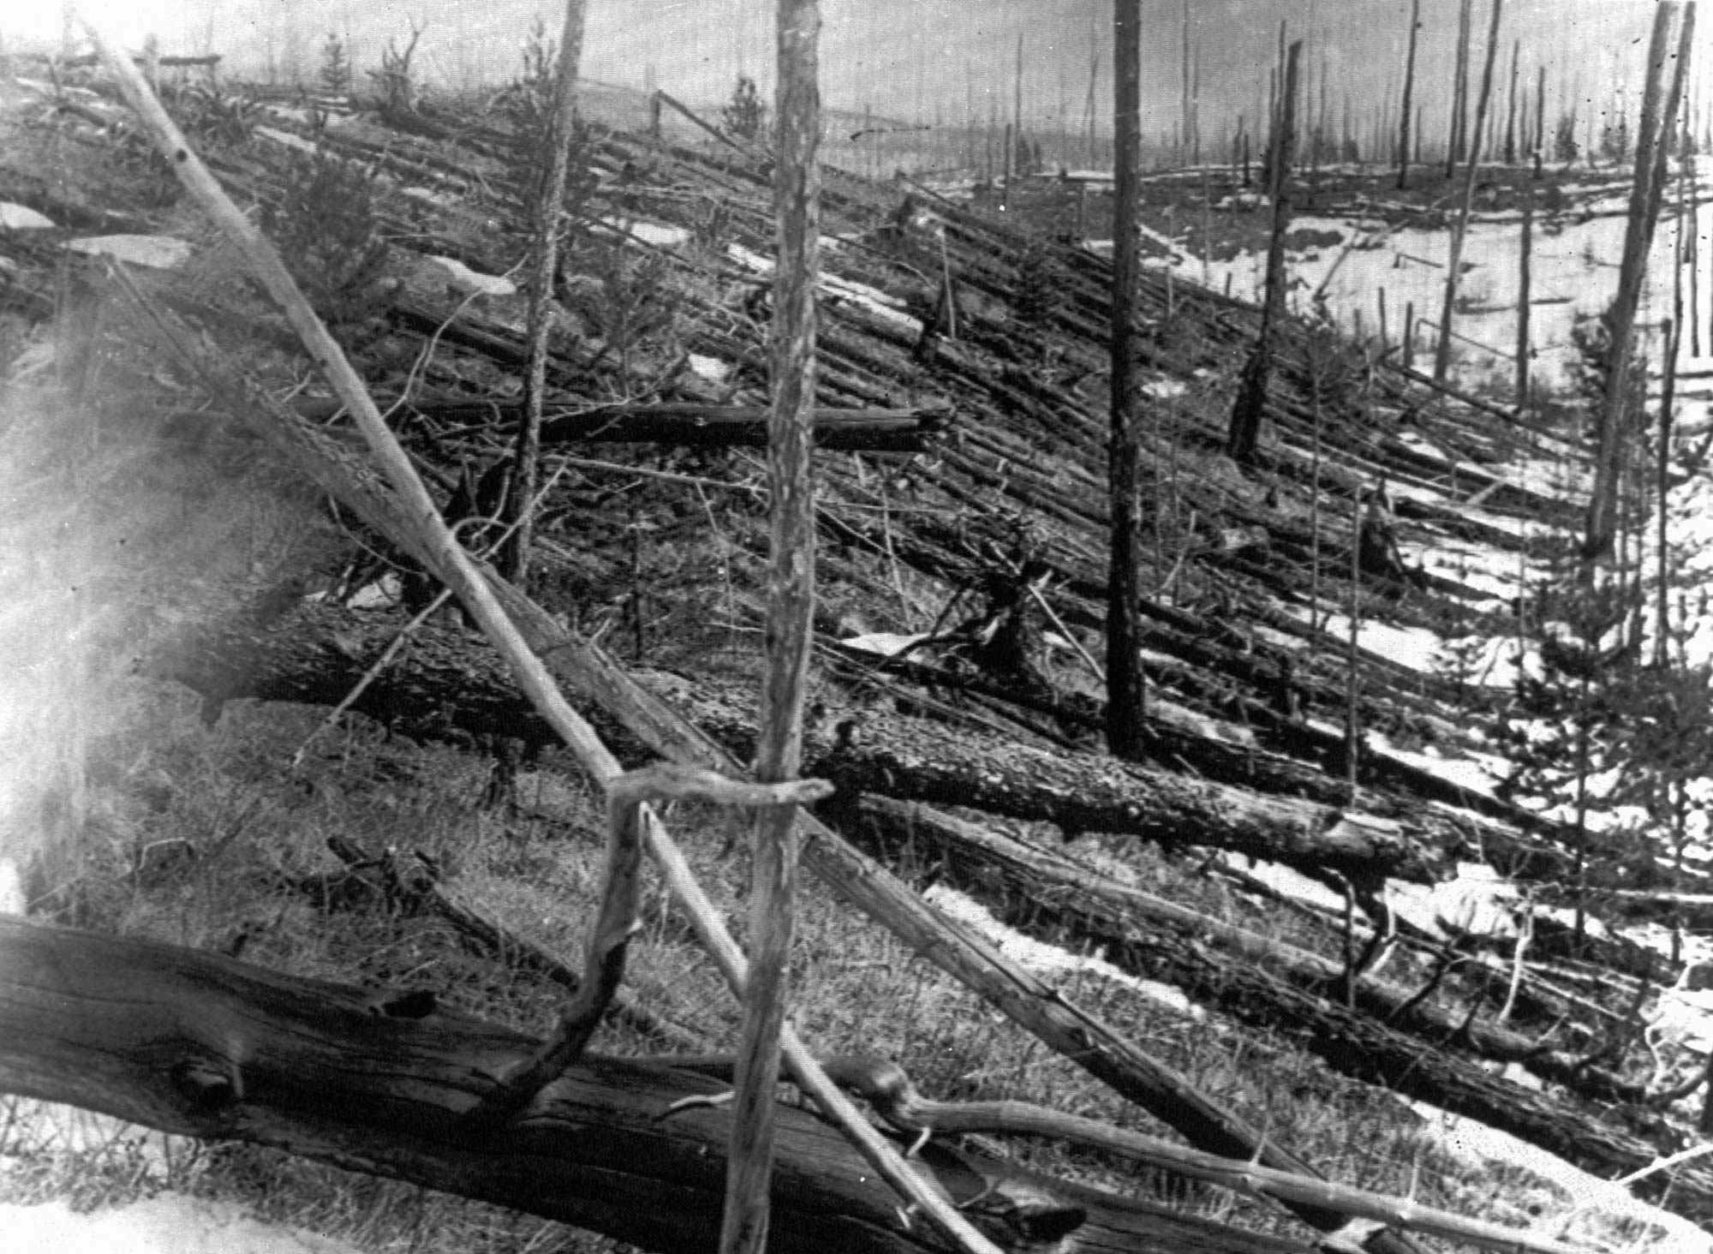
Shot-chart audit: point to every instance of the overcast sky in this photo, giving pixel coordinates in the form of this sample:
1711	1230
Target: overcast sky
909	58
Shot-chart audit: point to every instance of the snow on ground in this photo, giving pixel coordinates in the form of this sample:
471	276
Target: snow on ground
1473	772
1481	1147
16	217
287	138
836	288
656	233
157	252
1415	647
1574	274
1478	896
461	279
1043	959
167	1224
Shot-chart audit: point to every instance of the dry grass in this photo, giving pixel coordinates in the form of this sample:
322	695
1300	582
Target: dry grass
167	827
192	834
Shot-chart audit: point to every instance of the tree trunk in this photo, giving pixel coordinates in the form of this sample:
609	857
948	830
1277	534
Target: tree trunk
445	681
1638	238
1456	140
1125	693
858	880
1352	1042
448	685
1525	293
544	256
379	1082
790	619
1046	894
1510	150
1453	268
1245	431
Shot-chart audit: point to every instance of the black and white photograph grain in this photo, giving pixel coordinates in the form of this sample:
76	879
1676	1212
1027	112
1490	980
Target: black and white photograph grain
856	627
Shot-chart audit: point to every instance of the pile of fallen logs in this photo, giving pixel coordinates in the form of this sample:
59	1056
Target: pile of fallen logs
964	445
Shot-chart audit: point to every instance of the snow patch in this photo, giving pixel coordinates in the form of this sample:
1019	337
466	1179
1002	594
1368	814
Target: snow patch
286	138
1478	1145
460	278
157	252
656	233
16	217
1042	959
710	368
169	1224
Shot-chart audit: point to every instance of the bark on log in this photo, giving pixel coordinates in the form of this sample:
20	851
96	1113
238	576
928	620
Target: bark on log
1349	1040
858	880
1043	892
446	681
448	685
205	1046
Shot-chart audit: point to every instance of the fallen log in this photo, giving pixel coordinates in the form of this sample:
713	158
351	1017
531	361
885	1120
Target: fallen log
1349	1040
868	430
445	680
860	881
204	1046
1046	893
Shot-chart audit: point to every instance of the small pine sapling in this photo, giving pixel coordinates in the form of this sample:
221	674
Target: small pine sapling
327	228
745	114
334	75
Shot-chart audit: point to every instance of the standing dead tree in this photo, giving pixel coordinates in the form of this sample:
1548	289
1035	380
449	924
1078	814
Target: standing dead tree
1458	136
1245	430
1511	107
1645	194
408	515
1448	310
1409	92
544	258
790	614
1124	687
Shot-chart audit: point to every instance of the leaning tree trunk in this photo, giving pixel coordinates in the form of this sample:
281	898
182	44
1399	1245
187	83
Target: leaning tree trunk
1448	310
1245	430
1615	404
1124	684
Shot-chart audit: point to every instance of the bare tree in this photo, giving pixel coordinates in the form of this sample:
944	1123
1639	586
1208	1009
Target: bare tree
1511	108
790	611
1409	91
1454	266
1246	411
520	503
1124	685
1456	140
1645	193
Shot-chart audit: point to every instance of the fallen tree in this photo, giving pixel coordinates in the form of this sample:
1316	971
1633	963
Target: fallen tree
197	1044
865	884
1031	888
872	430
446	681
